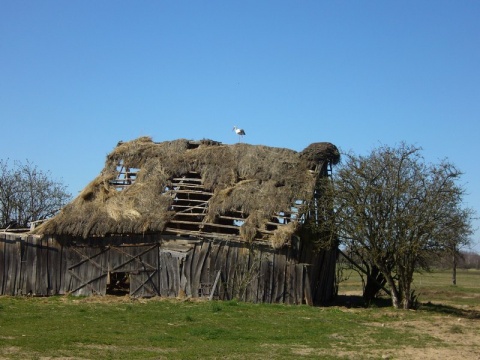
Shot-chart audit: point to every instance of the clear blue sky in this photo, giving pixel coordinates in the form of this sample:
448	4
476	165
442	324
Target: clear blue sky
78	76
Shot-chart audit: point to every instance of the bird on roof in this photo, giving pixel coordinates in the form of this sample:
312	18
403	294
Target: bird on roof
240	133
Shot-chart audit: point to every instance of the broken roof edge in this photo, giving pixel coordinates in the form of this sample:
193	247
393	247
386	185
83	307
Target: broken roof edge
253	182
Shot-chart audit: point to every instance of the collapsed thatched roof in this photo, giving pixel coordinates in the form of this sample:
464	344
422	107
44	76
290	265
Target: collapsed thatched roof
241	185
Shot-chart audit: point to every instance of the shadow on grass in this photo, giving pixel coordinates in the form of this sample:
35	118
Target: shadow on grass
450	310
356	301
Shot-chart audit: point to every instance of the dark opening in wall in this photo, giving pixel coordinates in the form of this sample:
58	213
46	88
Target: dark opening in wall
118	284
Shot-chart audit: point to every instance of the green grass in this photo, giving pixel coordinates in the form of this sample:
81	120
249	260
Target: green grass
57	327
112	328
436	286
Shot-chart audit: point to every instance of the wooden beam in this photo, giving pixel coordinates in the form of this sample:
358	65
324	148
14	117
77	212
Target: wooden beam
189	214
212	235
86	283
149	279
196	192
203	224
135	257
89	259
187	179
188	201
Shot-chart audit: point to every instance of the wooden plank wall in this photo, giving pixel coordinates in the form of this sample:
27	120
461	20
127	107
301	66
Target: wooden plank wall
169	267
320	272
30	265
254	274
10	261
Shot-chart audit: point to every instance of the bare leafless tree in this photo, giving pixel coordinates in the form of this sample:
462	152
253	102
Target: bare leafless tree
397	212
8	191
28	194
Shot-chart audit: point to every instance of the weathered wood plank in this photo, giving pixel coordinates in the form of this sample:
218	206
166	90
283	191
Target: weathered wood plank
307	289
262	280
216	236
64	277
88	277
196	192
188	202
183	208
279	278
198	223
34	263
187	179
220	265
171	272
53	268
41	285
183	278
87	255
232	265
144	284
214	286
142	263
182	267
187	186
300	281
190	214
90	284
327	277
240	279
12	262
7	261
164	286
138	258
250	272
197	267
253	266
3	269
207	273
290	284
187	272
95	274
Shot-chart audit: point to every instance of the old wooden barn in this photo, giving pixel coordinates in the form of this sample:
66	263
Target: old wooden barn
186	219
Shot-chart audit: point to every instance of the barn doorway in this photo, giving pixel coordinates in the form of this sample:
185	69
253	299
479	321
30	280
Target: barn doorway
118	283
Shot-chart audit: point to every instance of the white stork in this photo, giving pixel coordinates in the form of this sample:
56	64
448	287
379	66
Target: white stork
240	133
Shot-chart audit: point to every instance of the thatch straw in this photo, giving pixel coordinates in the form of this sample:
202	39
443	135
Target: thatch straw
257	181
283	235
318	152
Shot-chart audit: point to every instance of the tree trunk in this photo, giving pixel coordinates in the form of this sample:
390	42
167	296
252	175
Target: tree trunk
375	283
454	271
407	297
395	294
395	298
405	285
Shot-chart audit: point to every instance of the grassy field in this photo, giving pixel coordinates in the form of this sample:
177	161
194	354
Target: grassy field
447	325
435	286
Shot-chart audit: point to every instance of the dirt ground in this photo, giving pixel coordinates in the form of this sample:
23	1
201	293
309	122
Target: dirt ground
458	334
459	338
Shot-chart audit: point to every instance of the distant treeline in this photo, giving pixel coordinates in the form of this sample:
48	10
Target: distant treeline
465	260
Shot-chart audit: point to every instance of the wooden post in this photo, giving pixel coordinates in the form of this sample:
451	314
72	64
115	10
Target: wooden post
214	285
